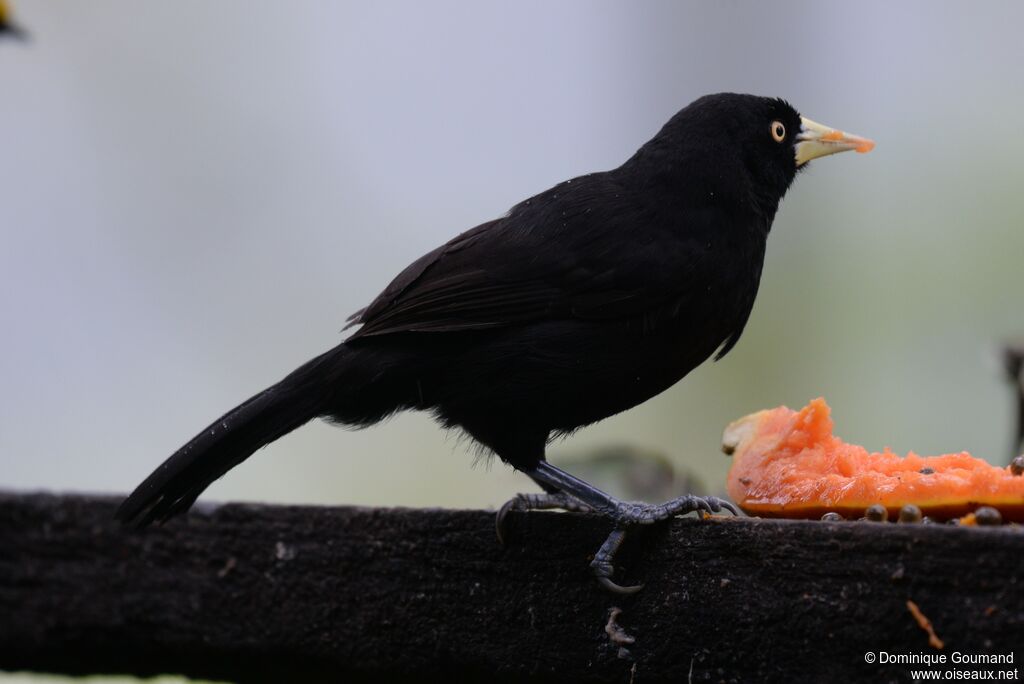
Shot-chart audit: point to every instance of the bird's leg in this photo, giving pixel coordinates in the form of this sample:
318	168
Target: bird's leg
571	493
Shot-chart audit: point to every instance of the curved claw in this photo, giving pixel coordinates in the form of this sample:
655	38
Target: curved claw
499	519
717	505
731	507
705	504
618	588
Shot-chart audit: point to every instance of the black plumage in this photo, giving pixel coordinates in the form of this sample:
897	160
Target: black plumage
583	301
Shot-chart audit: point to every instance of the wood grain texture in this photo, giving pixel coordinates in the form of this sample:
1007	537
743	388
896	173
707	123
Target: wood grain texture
281	593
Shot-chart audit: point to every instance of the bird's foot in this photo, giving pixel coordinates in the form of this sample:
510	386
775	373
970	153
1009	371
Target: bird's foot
574	494
632	513
536	502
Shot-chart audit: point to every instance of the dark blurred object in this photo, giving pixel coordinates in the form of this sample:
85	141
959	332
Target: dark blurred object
7	25
633	473
1013	360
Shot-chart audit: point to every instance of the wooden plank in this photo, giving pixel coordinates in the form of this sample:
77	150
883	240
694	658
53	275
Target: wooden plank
282	593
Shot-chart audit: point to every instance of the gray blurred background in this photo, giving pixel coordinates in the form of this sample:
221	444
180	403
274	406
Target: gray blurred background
196	195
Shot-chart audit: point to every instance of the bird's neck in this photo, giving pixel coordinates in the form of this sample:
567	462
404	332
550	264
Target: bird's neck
765	205
702	179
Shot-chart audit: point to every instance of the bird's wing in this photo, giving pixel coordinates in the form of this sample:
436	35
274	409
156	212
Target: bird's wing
587	254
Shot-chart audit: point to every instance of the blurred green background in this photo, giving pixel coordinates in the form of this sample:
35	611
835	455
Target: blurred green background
196	195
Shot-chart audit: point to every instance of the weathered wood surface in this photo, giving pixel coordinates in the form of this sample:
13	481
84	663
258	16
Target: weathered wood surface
272	593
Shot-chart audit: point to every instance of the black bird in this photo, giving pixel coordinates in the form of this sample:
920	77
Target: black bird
583	301
7	25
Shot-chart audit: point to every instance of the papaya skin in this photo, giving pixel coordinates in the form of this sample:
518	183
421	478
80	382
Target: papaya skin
788	464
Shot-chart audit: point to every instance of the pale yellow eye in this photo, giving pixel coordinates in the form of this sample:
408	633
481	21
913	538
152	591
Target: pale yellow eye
778	131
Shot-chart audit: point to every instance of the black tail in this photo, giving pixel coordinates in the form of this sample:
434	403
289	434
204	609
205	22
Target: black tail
229	440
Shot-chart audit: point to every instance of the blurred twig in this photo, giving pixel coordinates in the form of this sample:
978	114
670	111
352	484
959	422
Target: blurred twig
1013	359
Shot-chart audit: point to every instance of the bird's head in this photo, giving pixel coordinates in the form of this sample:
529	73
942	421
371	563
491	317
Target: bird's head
7	25
745	143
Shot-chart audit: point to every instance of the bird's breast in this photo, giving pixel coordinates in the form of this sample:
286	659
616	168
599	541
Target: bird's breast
717	295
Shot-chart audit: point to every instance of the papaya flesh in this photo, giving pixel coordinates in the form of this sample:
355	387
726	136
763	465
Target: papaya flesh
788	464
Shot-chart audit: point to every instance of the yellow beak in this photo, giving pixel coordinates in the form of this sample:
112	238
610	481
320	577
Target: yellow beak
817	140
